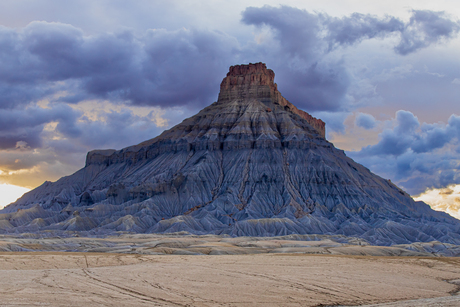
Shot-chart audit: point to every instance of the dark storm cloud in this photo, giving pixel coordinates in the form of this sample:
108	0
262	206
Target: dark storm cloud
296	56
298	31
184	67
34	116
356	27
29	135
319	87
61	64
365	121
301	32
415	172
302	41
43	54
417	156
409	134
111	130
26	125
63	148
424	29
160	68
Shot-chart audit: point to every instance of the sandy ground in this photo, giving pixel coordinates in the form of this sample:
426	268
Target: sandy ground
172	244
106	279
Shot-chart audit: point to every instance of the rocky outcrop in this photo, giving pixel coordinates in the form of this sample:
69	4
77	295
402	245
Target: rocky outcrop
99	156
250	164
255	81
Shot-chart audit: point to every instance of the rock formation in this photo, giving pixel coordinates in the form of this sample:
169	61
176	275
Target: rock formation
249	164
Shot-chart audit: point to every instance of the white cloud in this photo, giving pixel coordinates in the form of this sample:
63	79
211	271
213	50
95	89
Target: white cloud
447	199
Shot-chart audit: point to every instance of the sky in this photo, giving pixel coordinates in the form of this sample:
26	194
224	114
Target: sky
82	75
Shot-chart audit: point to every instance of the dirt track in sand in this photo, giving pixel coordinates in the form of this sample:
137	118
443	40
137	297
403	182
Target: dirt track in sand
85	279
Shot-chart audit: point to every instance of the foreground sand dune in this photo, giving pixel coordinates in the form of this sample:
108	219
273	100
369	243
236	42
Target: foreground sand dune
107	279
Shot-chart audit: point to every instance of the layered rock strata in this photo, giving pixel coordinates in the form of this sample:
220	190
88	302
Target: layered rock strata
249	164
255	81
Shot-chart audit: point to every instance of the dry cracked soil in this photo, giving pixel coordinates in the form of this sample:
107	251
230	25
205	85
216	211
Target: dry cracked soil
109	279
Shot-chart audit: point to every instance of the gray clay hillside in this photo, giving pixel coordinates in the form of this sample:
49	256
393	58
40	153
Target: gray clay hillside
249	164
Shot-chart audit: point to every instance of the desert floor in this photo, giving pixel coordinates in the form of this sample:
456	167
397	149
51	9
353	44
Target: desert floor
109	279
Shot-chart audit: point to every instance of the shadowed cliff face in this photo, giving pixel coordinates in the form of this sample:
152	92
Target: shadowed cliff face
249	164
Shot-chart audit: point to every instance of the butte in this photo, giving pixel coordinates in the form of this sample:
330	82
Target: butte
250	164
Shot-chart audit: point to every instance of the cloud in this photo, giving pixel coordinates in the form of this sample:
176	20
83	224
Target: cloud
416	156
445	199
334	121
406	136
304	48
298	31
365	121
357	27
51	72
296	54
320	87
184	66
112	129
157	68
26	125
423	29
57	66
426	28
301	32
48	143
61	63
